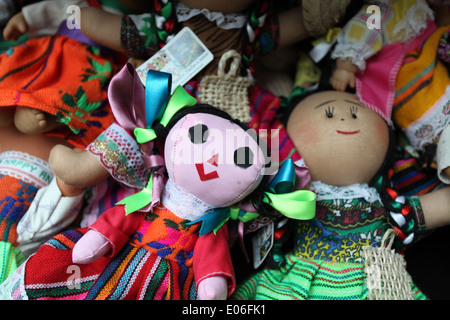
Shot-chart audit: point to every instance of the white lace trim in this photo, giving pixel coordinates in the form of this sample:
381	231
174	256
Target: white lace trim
26	167
327	192
13	288
426	129
414	22
228	21
357	52
182	203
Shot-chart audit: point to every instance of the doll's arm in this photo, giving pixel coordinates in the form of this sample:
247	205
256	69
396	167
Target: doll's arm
15	27
436	208
292	27
213	268
41	18
107	235
102	27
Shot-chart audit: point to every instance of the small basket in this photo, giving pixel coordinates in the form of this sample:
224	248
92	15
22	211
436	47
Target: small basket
385	269
227	91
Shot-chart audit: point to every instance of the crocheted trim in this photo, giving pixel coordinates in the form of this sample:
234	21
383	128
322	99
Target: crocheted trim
226	90
428	128
387	278
414	23
183	204
120	155
223	21
13	288
358	53
327	192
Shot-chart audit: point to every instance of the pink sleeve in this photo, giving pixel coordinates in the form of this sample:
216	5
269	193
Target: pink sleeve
117	227
212	257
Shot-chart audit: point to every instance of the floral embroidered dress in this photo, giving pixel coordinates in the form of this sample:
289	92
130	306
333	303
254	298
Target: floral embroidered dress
327	261
65	75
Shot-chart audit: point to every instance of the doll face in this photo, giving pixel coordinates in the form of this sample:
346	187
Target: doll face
213	159
341	141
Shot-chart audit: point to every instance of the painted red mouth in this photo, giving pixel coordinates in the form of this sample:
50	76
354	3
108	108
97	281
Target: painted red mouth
205	176
348	132
201	169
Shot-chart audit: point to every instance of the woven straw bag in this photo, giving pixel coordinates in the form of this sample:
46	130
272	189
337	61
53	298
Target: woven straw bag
385	269
227	91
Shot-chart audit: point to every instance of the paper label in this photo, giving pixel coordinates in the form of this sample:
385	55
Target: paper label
183	57
262	243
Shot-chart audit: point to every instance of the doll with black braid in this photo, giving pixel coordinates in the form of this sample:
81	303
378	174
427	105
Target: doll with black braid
347	148
250	27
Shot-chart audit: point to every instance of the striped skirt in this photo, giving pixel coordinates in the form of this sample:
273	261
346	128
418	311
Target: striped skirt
302	279
133	274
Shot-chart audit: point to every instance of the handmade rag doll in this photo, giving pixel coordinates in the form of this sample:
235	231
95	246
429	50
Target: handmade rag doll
249	28
346	251
183	234
370	51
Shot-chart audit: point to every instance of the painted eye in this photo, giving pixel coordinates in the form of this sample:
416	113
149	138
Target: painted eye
198	134
354	112
243	157
329	112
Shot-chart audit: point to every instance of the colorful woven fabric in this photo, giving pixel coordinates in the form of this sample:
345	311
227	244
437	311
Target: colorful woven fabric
10	258
303	279
409	179
135	273
17	196
168	236
63	77
327	261
421	105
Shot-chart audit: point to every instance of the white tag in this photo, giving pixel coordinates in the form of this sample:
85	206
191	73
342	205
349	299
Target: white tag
262	242
183	56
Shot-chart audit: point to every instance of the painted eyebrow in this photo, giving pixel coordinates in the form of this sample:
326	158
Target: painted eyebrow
324	103
355	102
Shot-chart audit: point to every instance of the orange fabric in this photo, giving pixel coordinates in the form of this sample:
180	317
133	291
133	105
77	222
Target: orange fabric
164	233
63	77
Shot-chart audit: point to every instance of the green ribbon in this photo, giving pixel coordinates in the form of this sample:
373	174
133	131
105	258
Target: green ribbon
214	220
298	204
138	200
294	204
180	99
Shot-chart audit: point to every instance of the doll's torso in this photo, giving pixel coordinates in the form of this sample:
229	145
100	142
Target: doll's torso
167	235
342	226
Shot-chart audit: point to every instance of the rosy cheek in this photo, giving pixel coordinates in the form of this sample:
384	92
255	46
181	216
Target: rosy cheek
304	134
382	132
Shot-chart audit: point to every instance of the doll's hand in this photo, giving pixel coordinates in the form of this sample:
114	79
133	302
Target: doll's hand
15	27
90	247
344	75
213	288
342	78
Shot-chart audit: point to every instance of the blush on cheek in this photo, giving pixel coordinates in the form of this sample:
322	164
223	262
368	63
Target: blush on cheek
382	132
304	134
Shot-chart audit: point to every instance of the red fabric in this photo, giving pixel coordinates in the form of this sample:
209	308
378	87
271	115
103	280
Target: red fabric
117	227
212	257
